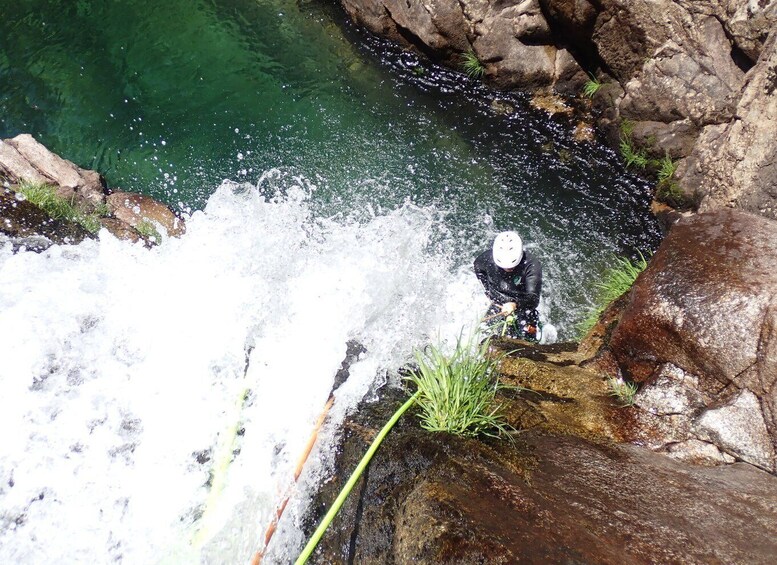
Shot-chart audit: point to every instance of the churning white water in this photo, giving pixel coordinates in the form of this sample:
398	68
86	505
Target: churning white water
125	393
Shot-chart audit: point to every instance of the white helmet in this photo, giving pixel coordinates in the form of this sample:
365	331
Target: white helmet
508	249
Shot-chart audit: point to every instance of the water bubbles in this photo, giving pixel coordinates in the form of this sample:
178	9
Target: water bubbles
156	380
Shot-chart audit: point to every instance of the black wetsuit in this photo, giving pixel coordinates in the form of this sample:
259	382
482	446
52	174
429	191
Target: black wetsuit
522	286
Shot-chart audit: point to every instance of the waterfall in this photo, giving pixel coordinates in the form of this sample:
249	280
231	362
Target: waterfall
136	381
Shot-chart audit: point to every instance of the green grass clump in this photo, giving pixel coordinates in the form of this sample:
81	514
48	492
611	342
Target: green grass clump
471	65
456	391
667	189
617	280
591	86
46	198
666	169
624	391
627	128
632	156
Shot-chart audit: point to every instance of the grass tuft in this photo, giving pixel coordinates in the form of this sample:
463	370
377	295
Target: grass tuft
46	198
666	169
625	392
591	86
471	65
457	390
617	280
627	128
632	156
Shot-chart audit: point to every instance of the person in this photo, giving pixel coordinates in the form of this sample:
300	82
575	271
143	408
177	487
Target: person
512	280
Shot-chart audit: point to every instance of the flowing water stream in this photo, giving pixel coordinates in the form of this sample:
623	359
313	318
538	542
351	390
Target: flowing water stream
154	403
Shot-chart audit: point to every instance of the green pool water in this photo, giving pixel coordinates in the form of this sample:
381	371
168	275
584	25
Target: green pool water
170	98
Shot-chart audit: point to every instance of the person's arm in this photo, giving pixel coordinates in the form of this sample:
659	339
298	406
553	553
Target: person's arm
482	263
532	280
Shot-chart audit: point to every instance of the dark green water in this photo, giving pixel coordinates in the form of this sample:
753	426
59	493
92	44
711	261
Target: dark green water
170	98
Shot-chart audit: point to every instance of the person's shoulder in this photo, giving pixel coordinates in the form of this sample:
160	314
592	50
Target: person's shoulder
483	258
531	259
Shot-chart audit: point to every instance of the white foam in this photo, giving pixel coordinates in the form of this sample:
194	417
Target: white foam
120	364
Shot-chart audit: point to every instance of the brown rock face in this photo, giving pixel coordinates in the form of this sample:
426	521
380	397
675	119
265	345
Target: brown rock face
436	499
736	164
703	317
512	39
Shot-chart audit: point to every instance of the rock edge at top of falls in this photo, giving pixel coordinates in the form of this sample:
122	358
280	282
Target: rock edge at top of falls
123	214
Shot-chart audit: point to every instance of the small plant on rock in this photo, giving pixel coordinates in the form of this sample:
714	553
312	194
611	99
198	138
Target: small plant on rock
632	156
591	86
148	230
471	65
616	281
456	391
666	169
625	392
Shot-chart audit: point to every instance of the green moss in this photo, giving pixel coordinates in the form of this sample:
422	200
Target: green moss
46	198
148	230
627	128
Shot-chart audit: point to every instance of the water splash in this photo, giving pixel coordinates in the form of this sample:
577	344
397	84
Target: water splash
124	369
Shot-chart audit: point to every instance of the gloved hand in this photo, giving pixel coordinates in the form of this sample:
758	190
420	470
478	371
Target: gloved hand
508	308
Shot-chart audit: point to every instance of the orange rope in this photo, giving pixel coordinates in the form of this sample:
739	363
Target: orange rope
257	559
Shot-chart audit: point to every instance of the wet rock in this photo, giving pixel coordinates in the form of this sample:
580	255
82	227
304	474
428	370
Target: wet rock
502	108
513	40
135	209
26	224
24	159
433	498
121	230
698	452
706	307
